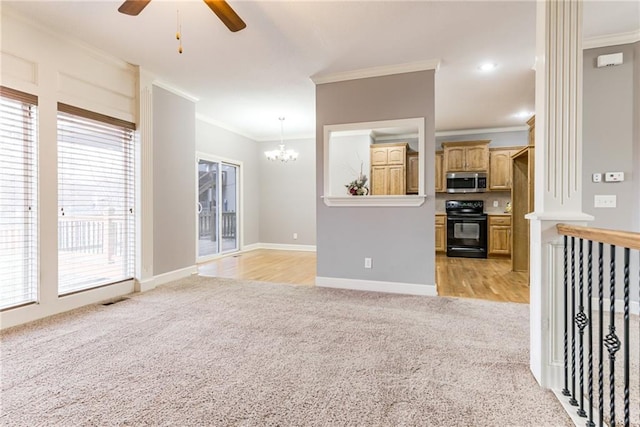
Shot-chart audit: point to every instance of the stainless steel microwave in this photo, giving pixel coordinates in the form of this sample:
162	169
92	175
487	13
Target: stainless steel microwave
467	182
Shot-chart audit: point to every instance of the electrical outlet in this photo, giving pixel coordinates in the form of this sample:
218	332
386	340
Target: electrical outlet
607	201
596	177
367	263
295	236
495	204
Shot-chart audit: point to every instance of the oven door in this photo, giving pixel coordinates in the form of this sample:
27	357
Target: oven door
467	236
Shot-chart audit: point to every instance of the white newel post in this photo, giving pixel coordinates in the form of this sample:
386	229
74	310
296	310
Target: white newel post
558	176
144	267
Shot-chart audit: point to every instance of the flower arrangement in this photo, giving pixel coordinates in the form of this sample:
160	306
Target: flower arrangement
358	187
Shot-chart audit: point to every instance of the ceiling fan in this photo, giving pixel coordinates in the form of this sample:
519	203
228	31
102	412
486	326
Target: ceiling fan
220	7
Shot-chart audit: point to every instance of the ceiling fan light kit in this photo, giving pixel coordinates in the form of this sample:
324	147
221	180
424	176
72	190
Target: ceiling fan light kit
220	7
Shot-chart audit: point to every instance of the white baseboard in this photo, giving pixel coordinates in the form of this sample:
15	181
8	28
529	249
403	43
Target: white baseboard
377	286
287	247
161	279
251	247
31	312
570	409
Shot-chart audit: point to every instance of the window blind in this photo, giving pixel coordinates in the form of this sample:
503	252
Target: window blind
96	228
18	197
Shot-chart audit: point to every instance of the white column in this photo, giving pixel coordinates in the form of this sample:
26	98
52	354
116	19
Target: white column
144	268
558	181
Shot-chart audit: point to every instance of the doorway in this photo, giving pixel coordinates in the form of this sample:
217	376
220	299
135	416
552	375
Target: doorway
217	207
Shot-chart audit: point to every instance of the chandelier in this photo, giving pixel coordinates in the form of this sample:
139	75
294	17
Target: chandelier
281	154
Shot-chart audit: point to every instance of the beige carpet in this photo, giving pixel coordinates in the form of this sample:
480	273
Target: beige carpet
218	352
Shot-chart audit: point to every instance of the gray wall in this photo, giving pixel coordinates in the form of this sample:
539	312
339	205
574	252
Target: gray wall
173	182
215	141
400	240
287	195
610	102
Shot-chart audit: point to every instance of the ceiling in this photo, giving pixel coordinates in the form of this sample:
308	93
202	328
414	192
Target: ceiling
245	81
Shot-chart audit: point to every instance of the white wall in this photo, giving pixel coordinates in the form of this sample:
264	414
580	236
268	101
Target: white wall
349	155
57	69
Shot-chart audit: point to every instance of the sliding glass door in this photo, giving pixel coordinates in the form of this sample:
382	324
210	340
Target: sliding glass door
218	192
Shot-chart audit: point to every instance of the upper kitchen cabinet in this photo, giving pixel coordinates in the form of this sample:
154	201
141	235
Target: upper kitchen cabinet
413	170
500	167
388	169
466	156
439	183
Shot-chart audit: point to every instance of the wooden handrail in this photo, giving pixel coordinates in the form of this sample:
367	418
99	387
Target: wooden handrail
625	239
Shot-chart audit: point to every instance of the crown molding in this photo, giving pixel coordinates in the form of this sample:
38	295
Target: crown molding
175	90
385	70
221	125
485	130
611	40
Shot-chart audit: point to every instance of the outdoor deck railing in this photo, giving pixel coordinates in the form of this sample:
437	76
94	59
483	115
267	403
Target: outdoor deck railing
584	324
102	234
207	225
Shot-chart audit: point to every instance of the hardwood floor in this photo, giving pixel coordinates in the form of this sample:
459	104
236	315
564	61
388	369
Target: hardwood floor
265	265
490	279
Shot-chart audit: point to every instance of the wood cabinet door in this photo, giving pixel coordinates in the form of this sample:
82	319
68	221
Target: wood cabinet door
379	180
499	240
454	159
500	169
412	173
441	238
378	156
396	155
439	176
397	180
477	158
441	233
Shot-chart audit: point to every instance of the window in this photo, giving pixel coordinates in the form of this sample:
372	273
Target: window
18	197
96	198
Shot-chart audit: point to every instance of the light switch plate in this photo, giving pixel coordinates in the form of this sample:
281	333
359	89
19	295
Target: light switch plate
604	201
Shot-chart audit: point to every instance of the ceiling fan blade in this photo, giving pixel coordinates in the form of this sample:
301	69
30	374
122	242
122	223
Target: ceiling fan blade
133	7
227	15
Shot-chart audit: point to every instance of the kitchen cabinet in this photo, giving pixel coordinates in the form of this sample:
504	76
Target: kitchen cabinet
499	235
388	169
413	168
439	178
441	233
466	156
522	200
500	167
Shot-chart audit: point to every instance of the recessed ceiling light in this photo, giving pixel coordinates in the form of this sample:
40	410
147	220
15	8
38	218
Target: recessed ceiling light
488	66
